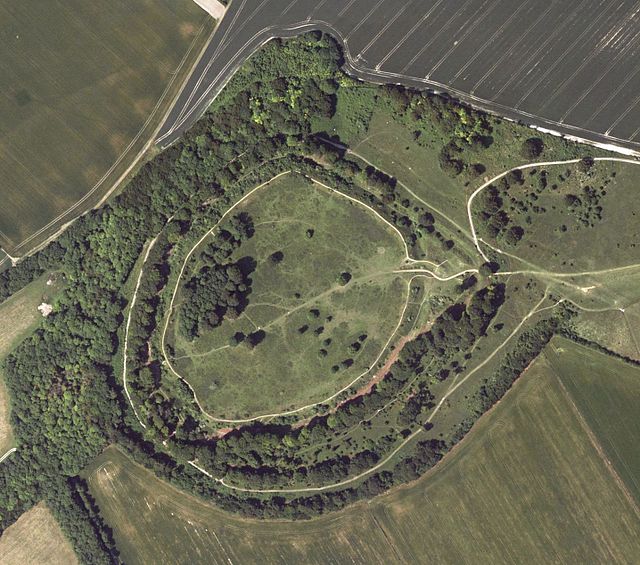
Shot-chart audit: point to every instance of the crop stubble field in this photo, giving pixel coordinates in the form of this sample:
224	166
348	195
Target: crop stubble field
36	538
87	88
527	483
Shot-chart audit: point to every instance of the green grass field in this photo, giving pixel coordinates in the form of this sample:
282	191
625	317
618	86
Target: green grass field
19	316
301	305
616	330
526	485
84	92
607	394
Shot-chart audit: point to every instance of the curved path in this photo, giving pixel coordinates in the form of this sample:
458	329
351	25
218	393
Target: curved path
536	309
523	168
299	409
407	440
241	33
125	162
126	331
12	450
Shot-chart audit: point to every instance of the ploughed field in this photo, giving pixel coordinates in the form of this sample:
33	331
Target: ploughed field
566	66
87	83
530	482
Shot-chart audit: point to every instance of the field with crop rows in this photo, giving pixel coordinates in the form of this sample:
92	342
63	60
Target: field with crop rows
526	484
88	84
606	392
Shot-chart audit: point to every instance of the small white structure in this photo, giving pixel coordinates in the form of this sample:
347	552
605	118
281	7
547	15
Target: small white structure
45	309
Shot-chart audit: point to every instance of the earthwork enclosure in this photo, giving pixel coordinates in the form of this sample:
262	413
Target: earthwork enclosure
323	292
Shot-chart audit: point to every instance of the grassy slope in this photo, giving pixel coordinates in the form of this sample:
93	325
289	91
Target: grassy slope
286	367
525	485
601	246
85	77
611	330
18	317
607	393
390	145
36	538
617	331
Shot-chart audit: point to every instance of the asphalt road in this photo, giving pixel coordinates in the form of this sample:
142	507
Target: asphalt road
569	66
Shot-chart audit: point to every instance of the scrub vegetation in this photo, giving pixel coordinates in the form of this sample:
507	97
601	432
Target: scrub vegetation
19	316
180	285
526	481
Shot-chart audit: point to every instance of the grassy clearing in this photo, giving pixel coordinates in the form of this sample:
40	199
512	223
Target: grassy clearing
613	329
606	391
570	218
19	315
85	78
401	148
390	145
311	320
525	485
36	538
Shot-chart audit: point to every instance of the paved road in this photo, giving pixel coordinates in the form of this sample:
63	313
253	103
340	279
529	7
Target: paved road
568	66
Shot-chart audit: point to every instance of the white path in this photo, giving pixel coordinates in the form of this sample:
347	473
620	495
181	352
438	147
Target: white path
215	8
8	453
522	168
408	260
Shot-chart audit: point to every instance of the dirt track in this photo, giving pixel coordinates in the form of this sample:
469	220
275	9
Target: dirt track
213	7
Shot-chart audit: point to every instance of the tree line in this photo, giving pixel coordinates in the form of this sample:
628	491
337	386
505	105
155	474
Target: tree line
67	400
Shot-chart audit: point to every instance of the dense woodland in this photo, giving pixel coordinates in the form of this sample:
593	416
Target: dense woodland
67	398
221	287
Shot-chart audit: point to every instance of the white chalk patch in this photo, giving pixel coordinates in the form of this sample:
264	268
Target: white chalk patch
45	309
213	7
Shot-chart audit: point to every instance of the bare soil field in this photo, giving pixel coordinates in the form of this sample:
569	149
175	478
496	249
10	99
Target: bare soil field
213	7
567	67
